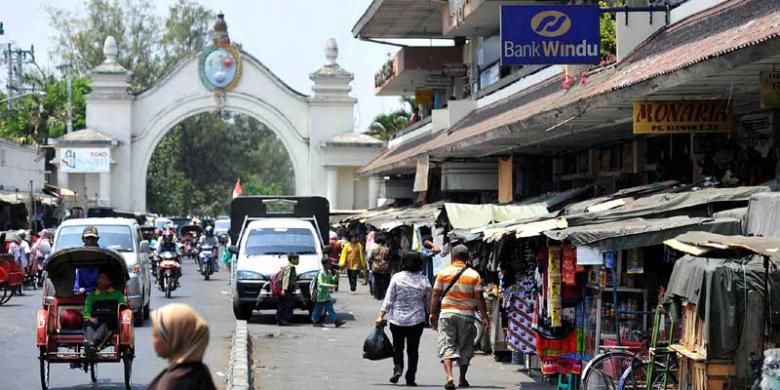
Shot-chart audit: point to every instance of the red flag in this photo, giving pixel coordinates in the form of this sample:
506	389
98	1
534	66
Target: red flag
238	190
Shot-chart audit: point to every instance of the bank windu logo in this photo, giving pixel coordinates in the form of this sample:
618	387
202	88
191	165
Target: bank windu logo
551	24
550	34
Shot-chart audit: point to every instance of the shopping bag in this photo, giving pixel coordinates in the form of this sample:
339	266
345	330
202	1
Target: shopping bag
377	345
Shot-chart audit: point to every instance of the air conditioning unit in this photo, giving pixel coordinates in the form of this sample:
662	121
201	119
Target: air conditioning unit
757	132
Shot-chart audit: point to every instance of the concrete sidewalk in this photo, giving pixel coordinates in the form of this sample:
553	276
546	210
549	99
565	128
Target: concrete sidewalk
304	357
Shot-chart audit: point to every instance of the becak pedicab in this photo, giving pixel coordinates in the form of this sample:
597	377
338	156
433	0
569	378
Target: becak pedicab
60	322
11	273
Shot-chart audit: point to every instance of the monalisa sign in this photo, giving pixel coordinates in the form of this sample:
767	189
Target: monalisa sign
671	117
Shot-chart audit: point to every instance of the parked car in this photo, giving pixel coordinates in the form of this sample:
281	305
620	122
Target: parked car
122	235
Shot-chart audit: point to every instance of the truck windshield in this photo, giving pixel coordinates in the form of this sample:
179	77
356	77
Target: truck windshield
280	241
116	237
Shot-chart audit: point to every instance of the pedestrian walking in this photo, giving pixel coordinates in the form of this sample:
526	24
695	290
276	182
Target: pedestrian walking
181	335
405	307
353	261
286	304
428	251
323	302
21	251
457	295
379	262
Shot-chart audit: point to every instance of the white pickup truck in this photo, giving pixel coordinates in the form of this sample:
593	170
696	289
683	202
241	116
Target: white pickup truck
265	238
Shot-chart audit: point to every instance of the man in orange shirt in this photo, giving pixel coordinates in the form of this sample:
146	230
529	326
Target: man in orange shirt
457	295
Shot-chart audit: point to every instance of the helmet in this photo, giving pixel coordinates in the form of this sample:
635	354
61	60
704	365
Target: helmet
70	319
44	233
90	231
209	231
22	234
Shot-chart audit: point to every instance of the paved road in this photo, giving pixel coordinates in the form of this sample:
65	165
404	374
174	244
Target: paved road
19	357
304	357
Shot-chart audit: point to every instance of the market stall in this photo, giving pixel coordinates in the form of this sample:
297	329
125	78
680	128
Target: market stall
718	290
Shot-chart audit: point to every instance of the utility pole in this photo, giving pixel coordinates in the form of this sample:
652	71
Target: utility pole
15	60
67	69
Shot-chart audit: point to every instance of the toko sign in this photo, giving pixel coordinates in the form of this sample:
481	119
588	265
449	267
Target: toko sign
567	34
86	160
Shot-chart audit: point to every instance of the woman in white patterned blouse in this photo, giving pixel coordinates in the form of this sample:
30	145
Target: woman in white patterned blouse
406	303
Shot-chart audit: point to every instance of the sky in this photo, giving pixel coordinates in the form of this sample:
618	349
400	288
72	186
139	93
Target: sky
288	36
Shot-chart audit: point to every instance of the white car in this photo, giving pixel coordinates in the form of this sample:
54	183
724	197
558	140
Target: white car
124	236
262	252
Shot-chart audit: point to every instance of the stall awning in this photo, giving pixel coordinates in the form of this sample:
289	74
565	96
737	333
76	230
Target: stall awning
529	229
640	232
700	243
393	218
660	204
469	216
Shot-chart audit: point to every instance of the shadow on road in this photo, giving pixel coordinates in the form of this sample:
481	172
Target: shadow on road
100	386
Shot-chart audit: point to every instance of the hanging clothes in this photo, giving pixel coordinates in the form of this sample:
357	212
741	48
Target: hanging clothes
519	305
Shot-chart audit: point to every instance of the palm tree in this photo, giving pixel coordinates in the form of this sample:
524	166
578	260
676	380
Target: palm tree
386	126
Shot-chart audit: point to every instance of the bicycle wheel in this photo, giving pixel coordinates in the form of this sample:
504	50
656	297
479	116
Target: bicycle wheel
605	370
635	378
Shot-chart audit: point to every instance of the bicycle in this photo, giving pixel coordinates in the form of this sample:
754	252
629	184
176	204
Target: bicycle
617	368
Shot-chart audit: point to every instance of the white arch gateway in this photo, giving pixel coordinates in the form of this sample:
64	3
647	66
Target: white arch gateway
106	163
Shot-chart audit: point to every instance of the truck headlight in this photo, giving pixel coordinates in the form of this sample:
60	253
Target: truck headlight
249	275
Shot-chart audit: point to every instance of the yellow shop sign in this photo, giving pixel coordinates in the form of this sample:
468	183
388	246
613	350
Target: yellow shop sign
677	117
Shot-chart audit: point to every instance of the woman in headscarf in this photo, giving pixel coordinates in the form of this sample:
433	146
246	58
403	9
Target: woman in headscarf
181	335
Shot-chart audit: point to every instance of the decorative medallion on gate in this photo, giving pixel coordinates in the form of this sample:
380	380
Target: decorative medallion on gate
219	65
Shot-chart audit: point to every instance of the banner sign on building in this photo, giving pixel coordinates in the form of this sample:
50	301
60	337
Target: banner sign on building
566	34
687	116
86	160
421	174
770	89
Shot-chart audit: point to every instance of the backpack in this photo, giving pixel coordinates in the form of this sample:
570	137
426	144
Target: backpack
276	283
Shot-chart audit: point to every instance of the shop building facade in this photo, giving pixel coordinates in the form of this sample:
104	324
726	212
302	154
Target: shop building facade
493	132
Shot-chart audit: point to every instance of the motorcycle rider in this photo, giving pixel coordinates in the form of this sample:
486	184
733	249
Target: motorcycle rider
168	245
208	238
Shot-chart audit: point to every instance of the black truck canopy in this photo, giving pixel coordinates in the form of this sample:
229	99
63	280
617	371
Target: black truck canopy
314	208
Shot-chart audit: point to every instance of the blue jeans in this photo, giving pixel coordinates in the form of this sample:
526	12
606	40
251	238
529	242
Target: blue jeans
316	312
427	268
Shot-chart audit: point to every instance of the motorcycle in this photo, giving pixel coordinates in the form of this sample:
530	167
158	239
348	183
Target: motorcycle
206	260
168	273
154	259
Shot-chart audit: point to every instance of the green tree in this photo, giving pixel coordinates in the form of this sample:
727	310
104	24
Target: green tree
37	117
132	22
386	126
608	32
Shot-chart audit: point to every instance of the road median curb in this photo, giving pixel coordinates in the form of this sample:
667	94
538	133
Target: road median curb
239	373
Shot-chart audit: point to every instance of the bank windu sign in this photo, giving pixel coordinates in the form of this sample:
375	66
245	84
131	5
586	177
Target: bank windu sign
681	117
560	34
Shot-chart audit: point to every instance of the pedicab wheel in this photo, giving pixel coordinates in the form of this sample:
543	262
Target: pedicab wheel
7	293
127	360
45	369
93	372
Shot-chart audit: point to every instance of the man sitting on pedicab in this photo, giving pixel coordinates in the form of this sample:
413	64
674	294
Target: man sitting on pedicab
100	312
